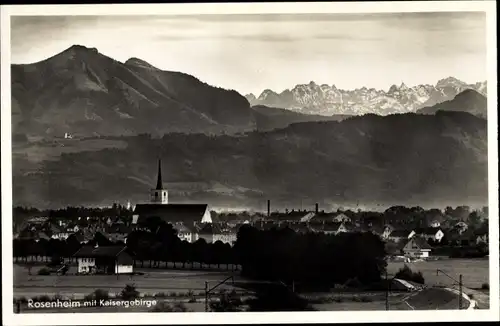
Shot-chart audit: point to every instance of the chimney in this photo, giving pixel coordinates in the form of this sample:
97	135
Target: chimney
317	208
268	208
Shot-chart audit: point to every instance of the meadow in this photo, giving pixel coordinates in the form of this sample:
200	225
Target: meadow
475	272
171	282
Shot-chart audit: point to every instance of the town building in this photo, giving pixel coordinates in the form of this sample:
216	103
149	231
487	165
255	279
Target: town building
417	247
170	213
434	234
104	260
185	232
400	235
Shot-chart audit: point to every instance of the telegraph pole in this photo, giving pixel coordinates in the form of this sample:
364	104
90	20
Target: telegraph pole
208	290
206	296
386	291
460	286
460	289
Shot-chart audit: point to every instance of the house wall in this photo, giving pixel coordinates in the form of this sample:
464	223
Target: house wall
225	238
187	236
61	236
416	253
84	264
124	269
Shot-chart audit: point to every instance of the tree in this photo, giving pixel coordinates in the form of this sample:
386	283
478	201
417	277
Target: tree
474	219
129	292
407	274
228	302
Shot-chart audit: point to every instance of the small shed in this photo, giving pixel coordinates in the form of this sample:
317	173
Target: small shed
104	260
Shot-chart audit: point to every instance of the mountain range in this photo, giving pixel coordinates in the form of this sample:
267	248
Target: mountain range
85	93
219	149
329	100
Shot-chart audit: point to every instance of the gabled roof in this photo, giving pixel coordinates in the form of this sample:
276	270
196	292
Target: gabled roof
171	213
328	227
400	233
420	242
104	251
182	228
322	216
292	215
341	217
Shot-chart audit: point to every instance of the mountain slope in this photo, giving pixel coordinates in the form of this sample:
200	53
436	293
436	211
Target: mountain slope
268	118
84	92
329	100
467	101
402	159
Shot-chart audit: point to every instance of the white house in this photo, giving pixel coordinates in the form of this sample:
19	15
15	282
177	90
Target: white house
342	218
417	247
434	234
185	233
105	260
226	236
435	224
401	235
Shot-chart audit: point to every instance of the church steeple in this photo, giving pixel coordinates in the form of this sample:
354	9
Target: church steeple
159	183
159	195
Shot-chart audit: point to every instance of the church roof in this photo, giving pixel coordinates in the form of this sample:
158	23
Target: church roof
171	213
159	182
104	251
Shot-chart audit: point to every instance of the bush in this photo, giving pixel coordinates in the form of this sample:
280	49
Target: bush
407	274
485	286
98	294
129	292
44	271
353	283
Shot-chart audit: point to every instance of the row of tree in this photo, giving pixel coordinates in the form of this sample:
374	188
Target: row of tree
310	259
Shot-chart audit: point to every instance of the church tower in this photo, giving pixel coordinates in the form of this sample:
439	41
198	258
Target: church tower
159	195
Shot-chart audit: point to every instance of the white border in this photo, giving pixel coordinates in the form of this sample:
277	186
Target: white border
246	318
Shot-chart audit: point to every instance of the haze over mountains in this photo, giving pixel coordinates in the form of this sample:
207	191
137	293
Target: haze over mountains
329	100
219	149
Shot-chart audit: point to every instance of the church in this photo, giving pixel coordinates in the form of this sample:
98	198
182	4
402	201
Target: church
170	213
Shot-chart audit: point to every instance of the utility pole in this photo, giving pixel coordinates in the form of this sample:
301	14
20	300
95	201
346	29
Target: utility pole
208	290
460	289
206	296
386	291
460	286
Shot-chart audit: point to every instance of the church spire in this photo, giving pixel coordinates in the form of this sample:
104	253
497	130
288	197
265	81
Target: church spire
159	183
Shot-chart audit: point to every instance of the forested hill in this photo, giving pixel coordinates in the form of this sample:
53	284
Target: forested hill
402	159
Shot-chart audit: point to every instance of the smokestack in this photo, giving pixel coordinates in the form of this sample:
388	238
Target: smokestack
317	208
268	208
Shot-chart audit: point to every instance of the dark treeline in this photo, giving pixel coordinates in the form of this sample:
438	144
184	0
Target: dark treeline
310	259
71	212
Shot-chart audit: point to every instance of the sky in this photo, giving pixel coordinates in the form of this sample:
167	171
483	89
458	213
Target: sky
250	53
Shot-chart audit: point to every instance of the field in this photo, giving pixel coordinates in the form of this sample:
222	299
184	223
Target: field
153	281
175	284
475	272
